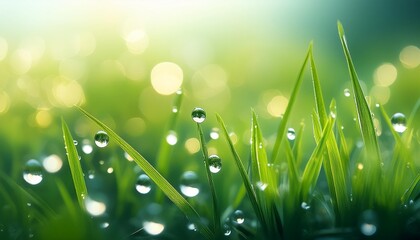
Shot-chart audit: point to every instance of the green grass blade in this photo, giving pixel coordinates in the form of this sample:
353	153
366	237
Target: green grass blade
313	167
364	114
157	178
163	158
68	202
75	167
283	124
297	146
319	99
247	182
292	168
412	192
216	213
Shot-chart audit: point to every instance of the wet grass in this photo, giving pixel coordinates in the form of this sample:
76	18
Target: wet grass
365	195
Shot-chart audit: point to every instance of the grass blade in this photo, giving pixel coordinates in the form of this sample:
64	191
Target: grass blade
412	192
364	114
282	127
247	183
75	167
157	178
216	213
313	167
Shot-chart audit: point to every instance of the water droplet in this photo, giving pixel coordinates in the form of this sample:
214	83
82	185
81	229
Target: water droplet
174	109
93	207
75	142
110	170
104	225
214	134
192	227
399	121
291	134
153	228
198	115
305	206
226	230
333	111
368	225
347	92
172	138
87	147
189	184
215	163
101	139
238	217
143	184
91	174
32	172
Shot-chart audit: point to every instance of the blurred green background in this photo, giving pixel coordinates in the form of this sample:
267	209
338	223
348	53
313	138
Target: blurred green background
124	61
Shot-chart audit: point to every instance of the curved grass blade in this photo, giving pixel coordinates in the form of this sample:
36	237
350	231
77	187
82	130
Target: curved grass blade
364	114
282	127
157	178
247	183
75	167
216	213
313	167
162	163
413	192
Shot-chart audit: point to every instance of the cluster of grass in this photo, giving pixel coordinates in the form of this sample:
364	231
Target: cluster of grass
369	195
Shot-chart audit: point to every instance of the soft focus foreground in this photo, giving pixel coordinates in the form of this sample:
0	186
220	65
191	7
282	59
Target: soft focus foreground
126	65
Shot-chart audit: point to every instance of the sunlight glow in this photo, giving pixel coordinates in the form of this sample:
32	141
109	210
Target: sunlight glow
166	78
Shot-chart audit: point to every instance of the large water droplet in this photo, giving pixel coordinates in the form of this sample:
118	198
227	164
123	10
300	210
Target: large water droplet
143	184
291	134
368	223
189	184
198	115
238	217
399	122
215	163
172	138
347	92
101	139
32	172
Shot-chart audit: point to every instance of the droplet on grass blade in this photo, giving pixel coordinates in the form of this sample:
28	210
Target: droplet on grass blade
399	122
238	217
198	115
226	230
305	206
291	134
143	184
101	139
368	223
347	92
215	163
32	172
189	184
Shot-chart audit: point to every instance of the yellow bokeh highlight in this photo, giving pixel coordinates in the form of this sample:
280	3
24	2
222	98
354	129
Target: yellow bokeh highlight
21	61
136	41
380	94
410	56
43	118
68	93
192	145
385	75
166	78
277	106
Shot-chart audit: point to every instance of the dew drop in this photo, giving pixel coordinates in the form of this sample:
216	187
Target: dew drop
399	121
226	230
75	142
305	206
238	217
104	225
215	163
174	109
93	207
198	115
153	228
333	111
291	134
191	227
347	92
101	139
143	184
368	223
262	185
32	172
189	184
172	138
